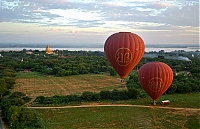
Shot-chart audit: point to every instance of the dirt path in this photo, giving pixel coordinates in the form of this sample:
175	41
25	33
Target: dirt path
117	105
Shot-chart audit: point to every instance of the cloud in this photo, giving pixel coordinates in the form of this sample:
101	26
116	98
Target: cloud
79	11
176	13
103	16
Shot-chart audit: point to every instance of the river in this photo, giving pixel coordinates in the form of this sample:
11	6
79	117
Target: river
147	49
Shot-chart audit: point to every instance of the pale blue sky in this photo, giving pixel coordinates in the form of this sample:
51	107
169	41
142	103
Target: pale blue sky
92	21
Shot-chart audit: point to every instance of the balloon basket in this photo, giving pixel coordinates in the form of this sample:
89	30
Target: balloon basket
154	102
122	82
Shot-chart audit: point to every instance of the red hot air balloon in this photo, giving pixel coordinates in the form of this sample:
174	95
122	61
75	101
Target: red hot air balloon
124	50
155	78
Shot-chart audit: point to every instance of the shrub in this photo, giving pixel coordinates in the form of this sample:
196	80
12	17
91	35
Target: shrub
71	98
20	118
171	89
119	95
40	99
105	95
133	93
90	96
17	95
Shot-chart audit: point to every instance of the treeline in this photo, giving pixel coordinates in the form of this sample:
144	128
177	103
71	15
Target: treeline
73	62
192	66
84	62
12	110
114	95
182	83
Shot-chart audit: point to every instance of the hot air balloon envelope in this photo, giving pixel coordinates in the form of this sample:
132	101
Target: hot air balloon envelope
155	78
124	50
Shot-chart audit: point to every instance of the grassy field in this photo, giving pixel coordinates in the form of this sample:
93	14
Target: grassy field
33	84
176	100
127	117
119	117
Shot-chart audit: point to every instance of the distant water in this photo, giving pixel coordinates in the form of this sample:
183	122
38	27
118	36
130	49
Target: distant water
147	49
170	49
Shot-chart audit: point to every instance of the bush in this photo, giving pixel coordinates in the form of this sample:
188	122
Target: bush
17	101
105	95
182	88
10	81
96	96
40	99
17	95
57	99
71	98
90	96
87	96
171	89
133	82
14	99
133	93
115	95
3	87
112	71
16	116
119	95
20	118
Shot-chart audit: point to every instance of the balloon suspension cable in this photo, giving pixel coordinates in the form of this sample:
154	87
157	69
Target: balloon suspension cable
154	102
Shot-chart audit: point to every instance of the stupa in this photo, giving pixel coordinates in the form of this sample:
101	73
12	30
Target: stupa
48	50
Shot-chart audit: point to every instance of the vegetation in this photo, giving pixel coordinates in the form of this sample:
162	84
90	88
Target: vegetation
7	80
18	69
114	95
12	111
127	117
186	72
74	63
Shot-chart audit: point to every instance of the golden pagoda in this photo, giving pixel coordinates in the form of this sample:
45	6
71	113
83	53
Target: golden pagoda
48	50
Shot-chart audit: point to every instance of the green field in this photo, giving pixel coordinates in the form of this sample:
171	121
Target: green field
127	117
176	100
151	117
119	117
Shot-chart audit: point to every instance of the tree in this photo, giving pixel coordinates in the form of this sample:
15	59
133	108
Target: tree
133	93
171	89
88	96
105	95
115	94
133	82
28	119
112	71
20	118
17	95
12	117
10	82
3	87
